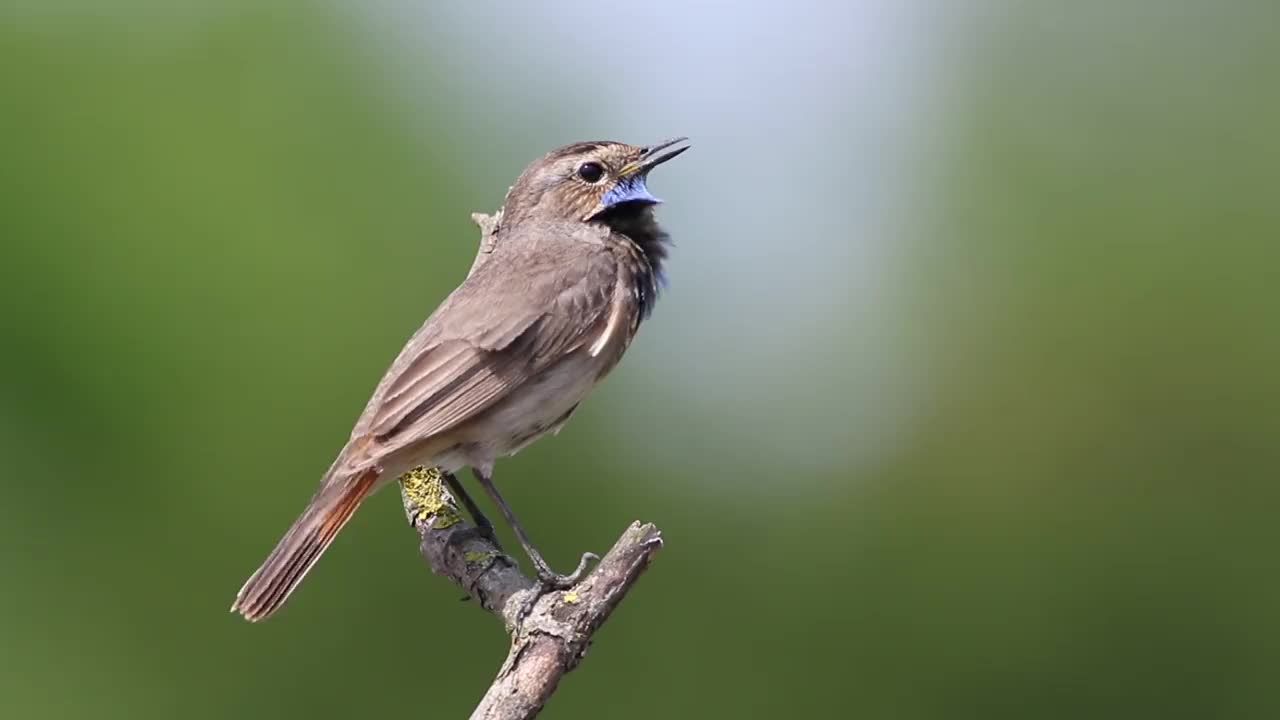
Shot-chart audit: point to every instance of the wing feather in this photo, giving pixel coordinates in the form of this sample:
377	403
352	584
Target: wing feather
495	332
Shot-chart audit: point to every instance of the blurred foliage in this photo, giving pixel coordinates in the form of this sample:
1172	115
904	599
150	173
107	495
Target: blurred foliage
218	230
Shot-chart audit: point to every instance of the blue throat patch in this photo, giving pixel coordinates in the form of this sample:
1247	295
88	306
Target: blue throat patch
629	189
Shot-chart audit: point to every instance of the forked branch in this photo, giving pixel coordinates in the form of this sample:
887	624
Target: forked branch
550	631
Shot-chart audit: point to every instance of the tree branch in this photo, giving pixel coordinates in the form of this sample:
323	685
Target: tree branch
550	632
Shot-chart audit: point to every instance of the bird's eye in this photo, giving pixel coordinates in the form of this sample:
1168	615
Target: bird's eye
591	171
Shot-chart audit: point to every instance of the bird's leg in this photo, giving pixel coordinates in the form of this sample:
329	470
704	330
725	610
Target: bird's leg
483	526
546	575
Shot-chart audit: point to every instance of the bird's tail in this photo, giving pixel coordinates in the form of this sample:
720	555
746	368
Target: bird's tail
302	546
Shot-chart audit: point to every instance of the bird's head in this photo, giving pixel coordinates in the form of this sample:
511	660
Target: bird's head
598	181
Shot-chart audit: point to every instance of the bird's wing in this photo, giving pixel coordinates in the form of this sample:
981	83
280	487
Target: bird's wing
511	319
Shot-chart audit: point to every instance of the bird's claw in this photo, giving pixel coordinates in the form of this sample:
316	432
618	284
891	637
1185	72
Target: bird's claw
554	581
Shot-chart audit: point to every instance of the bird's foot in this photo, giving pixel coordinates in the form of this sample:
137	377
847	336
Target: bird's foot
551	580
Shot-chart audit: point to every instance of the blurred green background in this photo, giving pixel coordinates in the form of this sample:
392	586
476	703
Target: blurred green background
964	401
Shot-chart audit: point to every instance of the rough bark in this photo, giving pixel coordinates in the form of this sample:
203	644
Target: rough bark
551	630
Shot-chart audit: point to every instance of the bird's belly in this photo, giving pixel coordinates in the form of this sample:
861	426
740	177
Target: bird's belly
540	406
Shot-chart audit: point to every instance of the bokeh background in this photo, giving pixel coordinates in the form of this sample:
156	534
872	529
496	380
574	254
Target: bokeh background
964	400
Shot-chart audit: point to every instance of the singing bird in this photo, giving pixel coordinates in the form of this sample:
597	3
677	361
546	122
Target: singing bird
574	267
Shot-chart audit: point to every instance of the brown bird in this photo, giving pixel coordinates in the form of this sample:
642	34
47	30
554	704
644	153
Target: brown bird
575	265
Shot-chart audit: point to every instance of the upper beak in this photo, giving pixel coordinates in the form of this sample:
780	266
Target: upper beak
654	155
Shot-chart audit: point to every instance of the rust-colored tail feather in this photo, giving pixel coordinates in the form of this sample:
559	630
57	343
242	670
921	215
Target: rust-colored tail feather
300	548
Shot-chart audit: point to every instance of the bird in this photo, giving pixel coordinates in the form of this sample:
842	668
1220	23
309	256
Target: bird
574	266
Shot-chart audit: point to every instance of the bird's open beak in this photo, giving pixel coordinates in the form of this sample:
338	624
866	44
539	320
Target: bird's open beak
655	155
630	185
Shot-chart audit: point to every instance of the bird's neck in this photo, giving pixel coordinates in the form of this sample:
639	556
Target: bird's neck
637	228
